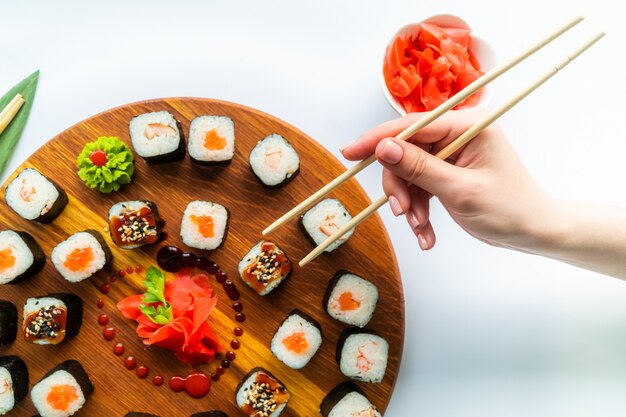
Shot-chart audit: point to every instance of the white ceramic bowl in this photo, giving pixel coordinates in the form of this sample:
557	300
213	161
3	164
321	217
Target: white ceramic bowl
480	48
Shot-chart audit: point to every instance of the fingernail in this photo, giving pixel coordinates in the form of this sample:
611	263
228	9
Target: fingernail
422	242
396	209
390	152
346	146
413	222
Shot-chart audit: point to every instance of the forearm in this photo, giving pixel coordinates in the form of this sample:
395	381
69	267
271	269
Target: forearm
589	236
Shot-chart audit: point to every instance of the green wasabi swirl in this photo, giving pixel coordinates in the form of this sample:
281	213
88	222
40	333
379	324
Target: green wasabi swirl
117	171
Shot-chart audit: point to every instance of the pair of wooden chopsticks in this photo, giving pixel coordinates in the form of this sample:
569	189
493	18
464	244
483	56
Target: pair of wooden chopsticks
9	112
430	117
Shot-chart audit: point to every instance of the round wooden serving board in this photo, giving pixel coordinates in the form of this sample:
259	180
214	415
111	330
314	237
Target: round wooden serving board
252	206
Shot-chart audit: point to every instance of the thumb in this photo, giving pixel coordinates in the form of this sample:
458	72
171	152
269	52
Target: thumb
419	167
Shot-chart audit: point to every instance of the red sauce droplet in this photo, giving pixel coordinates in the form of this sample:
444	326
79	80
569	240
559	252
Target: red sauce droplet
130	269
219	371
237	306
130	363
118	349
225	364
105	288
103	319
230	355
142	371
197	385
100	303
112	278
231	290
98	158
158	380
238	331
177	383
235	344
215	377
240	317
108	333
121	273
138	269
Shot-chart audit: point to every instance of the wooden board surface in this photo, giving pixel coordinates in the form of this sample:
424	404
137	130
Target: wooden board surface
252	207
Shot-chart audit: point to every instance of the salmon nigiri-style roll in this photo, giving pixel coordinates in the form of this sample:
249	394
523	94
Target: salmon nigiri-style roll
20	257
212	140
274	161
81	255
297	340
204	225
157	137
35	197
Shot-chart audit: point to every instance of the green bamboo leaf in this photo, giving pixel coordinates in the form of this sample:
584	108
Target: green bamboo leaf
13	132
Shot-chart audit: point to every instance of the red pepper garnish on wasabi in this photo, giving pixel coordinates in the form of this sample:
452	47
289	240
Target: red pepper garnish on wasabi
106	164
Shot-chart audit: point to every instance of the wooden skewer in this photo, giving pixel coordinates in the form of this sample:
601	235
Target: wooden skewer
467	136
9	112
427	119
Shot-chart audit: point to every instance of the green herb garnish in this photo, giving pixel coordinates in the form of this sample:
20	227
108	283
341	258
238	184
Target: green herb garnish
155	293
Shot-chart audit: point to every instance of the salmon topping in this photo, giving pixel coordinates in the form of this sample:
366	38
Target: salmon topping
205	225
27	192
213	141
7	260
296	342
157	129
347	303
61	397
272	159
79	259
328	226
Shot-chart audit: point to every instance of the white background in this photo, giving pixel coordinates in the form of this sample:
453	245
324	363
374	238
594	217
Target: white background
489	332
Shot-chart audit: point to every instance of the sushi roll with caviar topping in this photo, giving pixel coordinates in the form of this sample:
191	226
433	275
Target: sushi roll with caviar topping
62	391
362	355
133	224
210	414
52	319
157	137
274	161
20	257
350	299
204	225
35	197
324	219
261	394
297	339
81	255
212	140
8	322
13	382
264	267
347	400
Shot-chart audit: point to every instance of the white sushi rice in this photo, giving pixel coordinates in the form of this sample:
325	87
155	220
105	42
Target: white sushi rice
362	291
7	396
296	324
326	217
158	145
10	240
189	231
77	241
223	126
274	160
40	391
31	194
364	357
242	395
354	404
252	256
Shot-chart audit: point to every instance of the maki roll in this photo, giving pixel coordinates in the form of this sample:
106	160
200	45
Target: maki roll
157	137
20	257
204	225
264	267
133	224
350	299
13	382
35	197
210	414
274	161
261	394
81	255
362	355
212	140
347	399
62	391
297	339
133	414
324	219
51	319
8	323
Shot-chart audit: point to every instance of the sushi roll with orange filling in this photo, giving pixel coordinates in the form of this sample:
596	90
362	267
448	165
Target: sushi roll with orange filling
133	224
51	319
261	394
8	323
362	355
20	257
204	225
324	219
62	391
35	197
297	339
274	161
81	255
13	383
350	299
157	137
347	399
212	140
264	267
